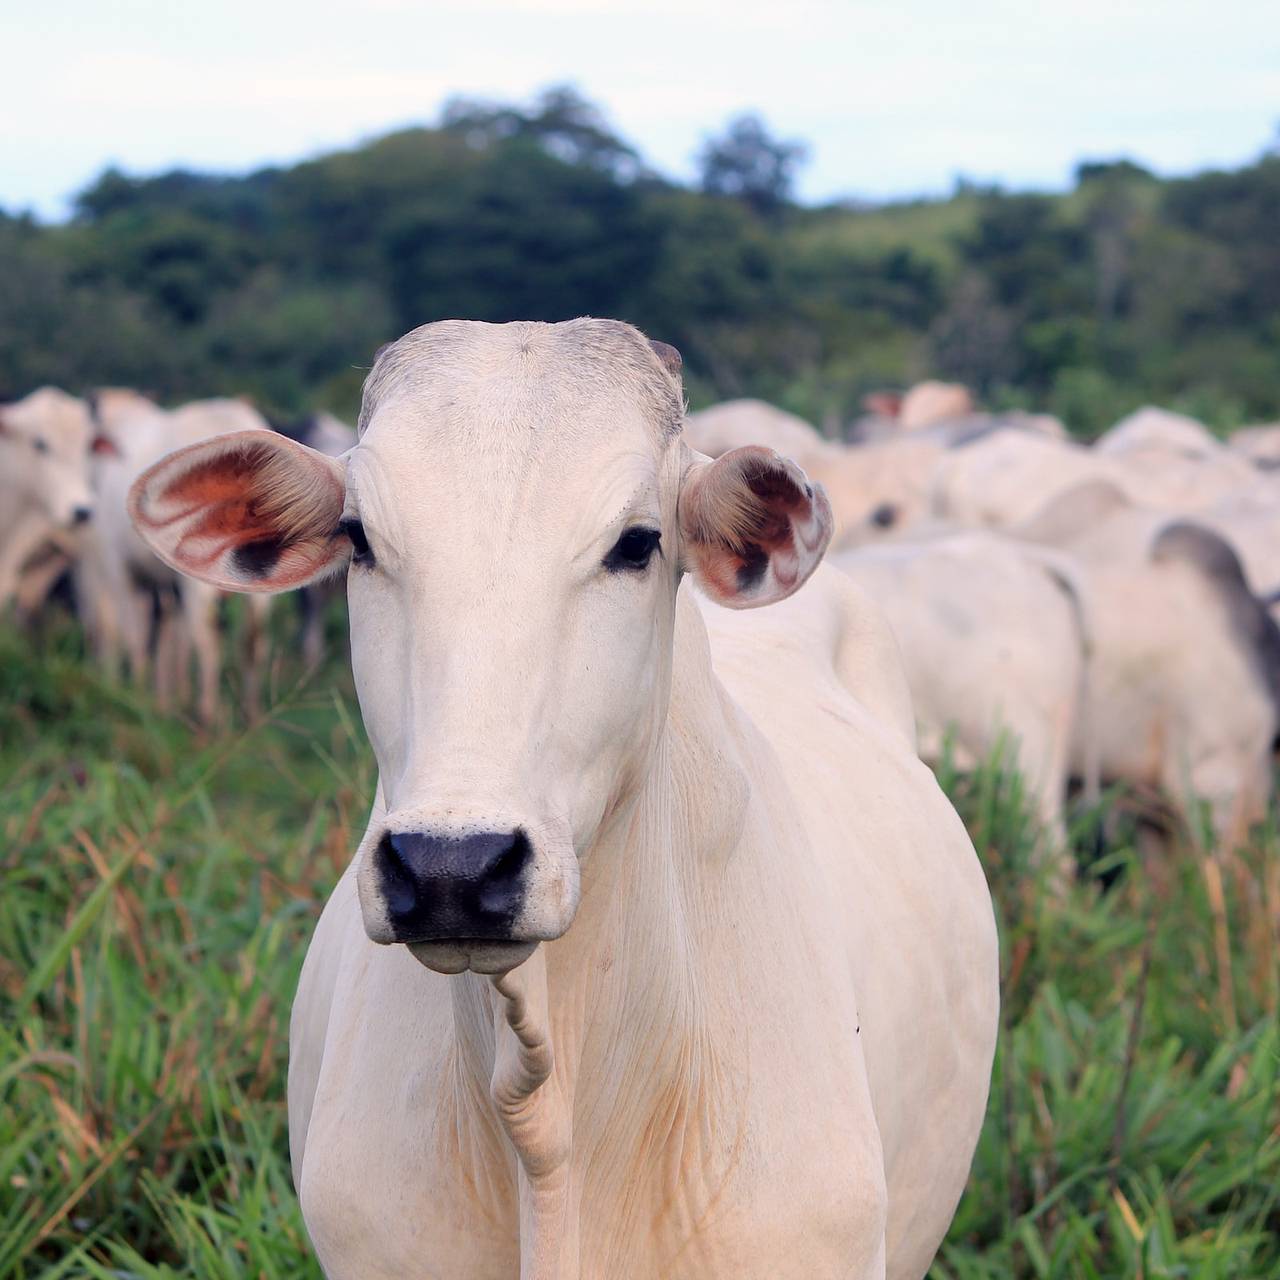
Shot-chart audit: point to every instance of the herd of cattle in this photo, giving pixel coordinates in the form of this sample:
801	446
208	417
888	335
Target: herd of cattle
1100	610
1096	613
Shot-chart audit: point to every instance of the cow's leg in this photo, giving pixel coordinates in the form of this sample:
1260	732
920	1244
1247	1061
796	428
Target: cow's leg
172	654
1046	751
311	612
200	611
137	616
257	611
98	616
115	611
99	611
1238	792
1234	783
38	581
21	543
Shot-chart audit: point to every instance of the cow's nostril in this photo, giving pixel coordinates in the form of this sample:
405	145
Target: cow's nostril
81	515
397	880
503	878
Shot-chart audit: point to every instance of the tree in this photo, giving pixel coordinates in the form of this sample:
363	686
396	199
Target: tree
973	337
749	165
519	235
561	121
281	282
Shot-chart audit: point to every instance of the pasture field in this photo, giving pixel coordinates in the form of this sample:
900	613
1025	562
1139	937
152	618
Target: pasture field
159	884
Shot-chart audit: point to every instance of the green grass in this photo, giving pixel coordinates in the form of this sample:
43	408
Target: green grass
158	886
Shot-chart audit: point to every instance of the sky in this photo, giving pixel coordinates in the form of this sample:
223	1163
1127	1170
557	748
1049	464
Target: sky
894	98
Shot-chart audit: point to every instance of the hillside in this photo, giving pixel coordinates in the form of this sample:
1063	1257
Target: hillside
281	283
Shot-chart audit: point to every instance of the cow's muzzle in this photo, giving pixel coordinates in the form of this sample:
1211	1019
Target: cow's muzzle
452	887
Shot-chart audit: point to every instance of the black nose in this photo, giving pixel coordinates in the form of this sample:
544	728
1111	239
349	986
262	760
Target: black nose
443	887
81	515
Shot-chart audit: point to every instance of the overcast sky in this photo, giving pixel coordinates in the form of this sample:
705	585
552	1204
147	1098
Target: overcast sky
894	97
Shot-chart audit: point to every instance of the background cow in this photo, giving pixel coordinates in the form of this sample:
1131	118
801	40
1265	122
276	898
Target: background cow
45	443
134	604
995	642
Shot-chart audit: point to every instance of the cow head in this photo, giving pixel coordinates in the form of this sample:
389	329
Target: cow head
515	521
47	439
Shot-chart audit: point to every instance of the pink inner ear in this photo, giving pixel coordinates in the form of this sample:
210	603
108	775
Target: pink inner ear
105	446
216	500
244	515
741	521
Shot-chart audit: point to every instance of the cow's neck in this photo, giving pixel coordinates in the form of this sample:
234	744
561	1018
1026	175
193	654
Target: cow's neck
607	1049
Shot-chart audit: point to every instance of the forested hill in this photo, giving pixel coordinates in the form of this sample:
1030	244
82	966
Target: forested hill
282	283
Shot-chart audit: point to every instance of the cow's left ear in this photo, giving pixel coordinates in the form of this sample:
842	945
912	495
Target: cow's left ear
753	526
250	511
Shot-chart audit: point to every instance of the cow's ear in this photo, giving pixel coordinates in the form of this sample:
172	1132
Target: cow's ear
752	525
251	511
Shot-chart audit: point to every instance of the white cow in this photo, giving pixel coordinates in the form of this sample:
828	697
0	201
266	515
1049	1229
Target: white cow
884	485
994	638
1170	461
1184	691
930	403
118	575
756	1038
1261	445
1004	478
733	424
872	487
45	443
1161	431
880	489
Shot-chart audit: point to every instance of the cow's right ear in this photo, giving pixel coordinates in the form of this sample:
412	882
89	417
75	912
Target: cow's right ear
753	526
251	511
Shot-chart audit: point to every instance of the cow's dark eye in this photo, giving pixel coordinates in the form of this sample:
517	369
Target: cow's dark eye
41	445
885	516
353	530
633	549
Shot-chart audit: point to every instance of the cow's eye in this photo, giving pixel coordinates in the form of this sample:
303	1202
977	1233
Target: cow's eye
40	445
353	530
633	549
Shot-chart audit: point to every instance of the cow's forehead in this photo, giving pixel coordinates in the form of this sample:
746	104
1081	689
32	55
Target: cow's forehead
505	423
503	387
59	418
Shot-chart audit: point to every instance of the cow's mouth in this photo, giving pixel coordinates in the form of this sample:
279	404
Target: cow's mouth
480	955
